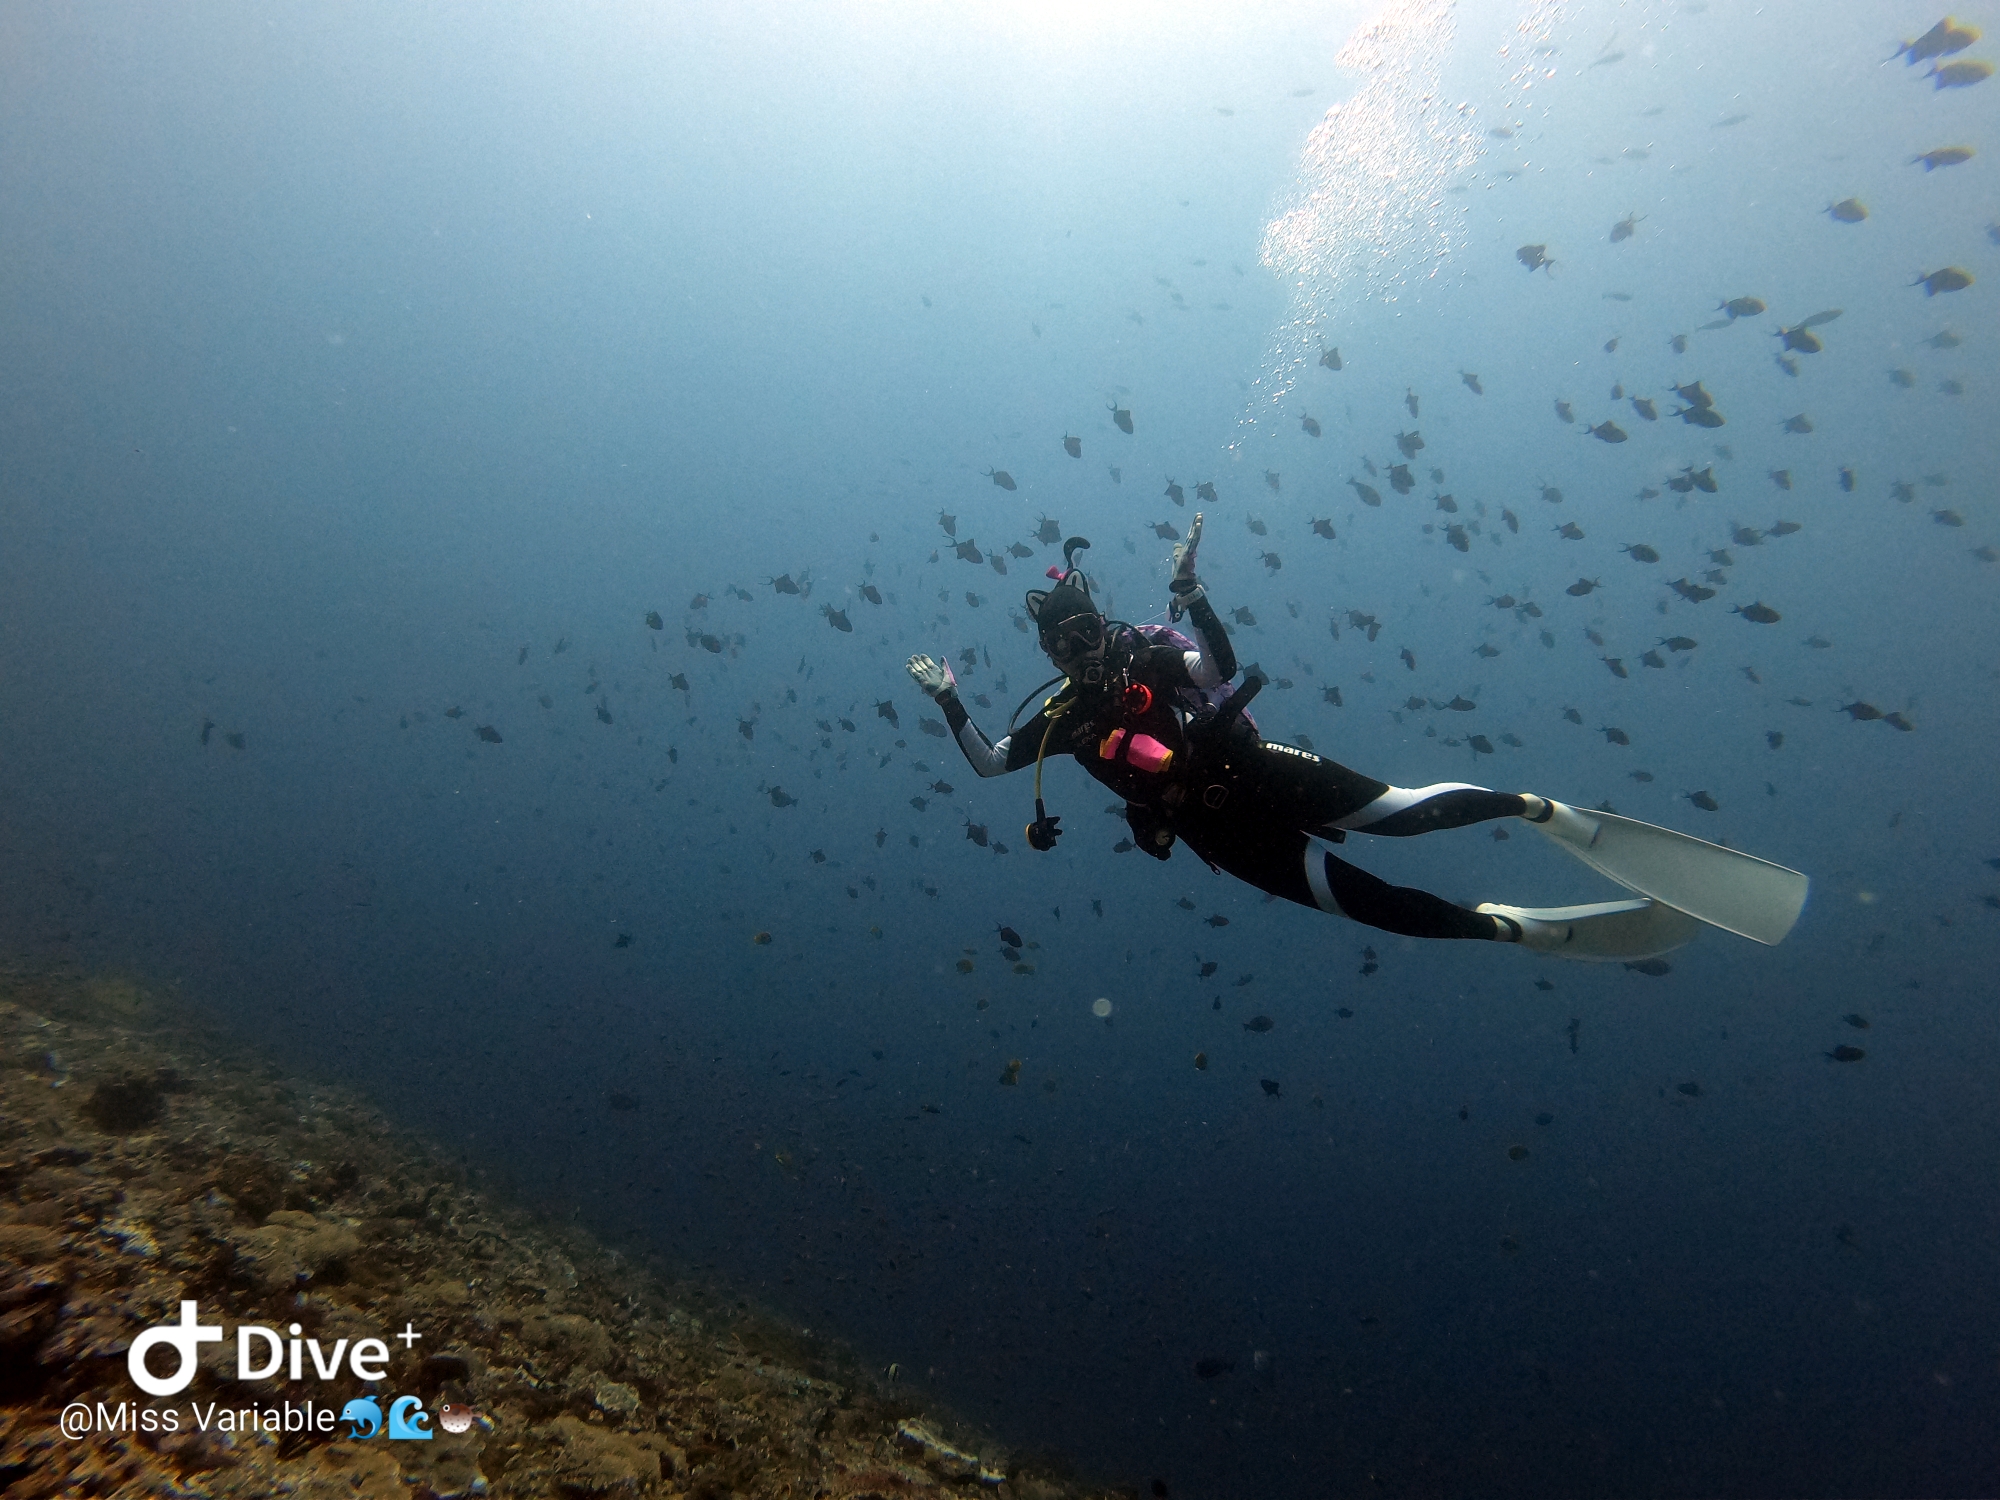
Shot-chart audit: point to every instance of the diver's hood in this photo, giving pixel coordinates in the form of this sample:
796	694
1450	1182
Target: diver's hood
1071	595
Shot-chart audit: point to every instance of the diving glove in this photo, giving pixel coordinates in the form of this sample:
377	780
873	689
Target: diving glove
933	676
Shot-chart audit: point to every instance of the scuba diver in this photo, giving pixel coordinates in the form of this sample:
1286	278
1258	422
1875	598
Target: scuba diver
1150	712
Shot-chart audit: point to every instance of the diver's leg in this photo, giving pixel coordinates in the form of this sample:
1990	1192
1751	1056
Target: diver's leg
1332	799
1302	869
1400	812
1340	887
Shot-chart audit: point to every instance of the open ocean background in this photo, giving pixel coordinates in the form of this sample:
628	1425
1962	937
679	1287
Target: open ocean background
368	362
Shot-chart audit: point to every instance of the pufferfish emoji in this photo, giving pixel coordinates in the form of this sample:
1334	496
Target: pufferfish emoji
460	1418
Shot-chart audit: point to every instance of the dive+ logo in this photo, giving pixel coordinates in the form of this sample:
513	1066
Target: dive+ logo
368	1359
263	1354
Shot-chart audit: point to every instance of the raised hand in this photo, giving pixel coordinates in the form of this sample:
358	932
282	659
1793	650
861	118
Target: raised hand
931	675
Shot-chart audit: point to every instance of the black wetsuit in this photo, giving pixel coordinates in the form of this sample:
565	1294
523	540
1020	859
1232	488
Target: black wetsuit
1260	810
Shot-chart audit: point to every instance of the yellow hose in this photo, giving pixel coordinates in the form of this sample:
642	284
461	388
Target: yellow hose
1053	714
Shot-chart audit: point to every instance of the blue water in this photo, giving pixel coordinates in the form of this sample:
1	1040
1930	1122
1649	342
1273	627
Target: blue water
358	359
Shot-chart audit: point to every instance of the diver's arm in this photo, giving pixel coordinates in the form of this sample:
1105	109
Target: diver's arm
1014	751
1215	663
986	758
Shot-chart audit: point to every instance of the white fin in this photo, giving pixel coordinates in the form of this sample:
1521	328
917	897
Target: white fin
1606	932
1737	892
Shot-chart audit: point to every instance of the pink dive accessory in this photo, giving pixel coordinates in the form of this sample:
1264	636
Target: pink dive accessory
1145	752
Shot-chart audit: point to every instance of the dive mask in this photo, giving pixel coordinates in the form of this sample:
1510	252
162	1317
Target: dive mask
1074	639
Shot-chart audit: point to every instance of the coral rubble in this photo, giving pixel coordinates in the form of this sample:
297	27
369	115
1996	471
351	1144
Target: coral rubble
142	1164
